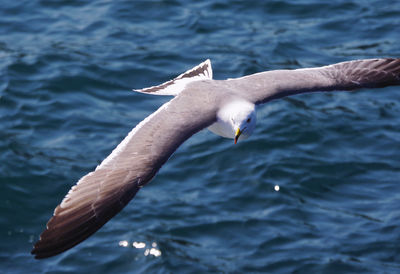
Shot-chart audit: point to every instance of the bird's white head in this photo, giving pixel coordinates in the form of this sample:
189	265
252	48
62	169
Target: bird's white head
235	120
243	120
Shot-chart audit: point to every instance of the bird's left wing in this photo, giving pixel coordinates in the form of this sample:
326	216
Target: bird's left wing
101	194
370	73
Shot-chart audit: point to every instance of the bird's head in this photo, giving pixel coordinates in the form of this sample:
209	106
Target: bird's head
244	122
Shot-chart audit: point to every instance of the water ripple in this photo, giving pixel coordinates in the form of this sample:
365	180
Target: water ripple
66	73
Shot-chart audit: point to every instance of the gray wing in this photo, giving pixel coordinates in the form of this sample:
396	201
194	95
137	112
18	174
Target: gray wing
370	73
101	194
175	86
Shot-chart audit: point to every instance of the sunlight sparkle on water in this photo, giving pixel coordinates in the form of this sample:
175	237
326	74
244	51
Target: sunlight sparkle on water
149	251
276	188
139	245
123	243
153	251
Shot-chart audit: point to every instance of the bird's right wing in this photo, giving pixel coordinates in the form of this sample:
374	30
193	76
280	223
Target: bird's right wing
370	73
101	194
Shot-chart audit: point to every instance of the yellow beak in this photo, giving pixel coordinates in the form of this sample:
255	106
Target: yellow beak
237	134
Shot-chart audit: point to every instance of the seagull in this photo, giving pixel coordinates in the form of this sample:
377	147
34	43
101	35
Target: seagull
226	107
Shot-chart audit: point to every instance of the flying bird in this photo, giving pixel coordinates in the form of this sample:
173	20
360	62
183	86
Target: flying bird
226	107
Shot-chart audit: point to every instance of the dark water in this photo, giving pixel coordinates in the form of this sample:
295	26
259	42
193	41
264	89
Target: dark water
66	71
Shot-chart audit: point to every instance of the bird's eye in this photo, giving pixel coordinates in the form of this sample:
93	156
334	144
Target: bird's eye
249	120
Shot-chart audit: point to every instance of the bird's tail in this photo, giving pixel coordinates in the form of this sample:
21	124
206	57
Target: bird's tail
173	87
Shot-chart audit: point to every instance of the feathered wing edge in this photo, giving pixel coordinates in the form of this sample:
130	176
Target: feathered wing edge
101	194
71	225
369	73
173	87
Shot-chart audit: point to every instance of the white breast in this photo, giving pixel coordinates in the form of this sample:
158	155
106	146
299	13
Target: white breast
222	128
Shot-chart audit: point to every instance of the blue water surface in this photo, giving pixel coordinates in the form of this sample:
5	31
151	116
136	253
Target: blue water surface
66	73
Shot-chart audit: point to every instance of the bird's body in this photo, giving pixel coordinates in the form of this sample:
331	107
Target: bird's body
226	107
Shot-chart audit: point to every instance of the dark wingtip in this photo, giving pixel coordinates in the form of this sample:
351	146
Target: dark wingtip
68	230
